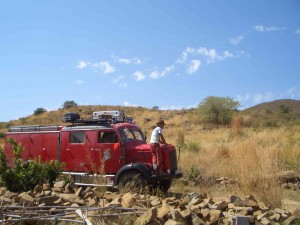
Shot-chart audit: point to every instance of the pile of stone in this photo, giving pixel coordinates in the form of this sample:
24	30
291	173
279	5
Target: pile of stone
192	208
289	180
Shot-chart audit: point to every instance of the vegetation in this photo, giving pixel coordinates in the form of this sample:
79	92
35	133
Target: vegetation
25	175
252	147
217	110
39	111
69	104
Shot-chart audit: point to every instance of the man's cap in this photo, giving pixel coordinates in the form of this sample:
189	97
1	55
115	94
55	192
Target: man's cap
161	122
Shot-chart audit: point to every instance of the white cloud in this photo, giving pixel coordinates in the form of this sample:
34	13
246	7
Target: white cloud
129	104
297	31
104	66
211	55
236	40
139	76
118	80
291	93
123	85
156	74
127	61
241	98
82	64
79	82
259	98
261	28
194	66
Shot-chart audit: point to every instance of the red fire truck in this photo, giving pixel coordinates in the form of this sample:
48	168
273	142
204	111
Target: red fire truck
107	148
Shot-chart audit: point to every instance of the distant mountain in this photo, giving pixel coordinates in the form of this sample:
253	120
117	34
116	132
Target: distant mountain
272	114
293	105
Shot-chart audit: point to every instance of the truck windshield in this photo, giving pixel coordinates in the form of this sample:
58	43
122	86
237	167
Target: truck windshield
128	134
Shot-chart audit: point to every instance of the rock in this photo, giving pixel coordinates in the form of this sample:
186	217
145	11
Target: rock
265	221
47	200
116	202
155	202
262	206
26	199
295	212
290	220
60	184
59	189
128	200
71	198
147	217
222	205
59	201
196	219
233	198
5	200
87	195
239	203
214	215
38	189
259	217
163	210
79	191
185	213
176	215
172	222
205	212
46	187
275	217
194	201
288	176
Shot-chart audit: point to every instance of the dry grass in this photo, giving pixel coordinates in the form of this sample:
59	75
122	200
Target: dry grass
252	155
254	158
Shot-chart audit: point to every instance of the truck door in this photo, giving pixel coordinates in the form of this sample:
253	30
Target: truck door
109	157
75	150
44	145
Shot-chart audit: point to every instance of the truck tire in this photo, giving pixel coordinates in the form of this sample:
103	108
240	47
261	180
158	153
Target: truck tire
132	181
164	185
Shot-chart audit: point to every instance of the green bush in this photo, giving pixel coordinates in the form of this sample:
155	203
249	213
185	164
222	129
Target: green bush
217	110
25	175
192	147
193	172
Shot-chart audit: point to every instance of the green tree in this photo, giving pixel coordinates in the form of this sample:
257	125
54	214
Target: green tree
155	107
39	111
217	110
69	104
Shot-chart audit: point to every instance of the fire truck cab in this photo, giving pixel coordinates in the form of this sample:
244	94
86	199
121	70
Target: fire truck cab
107	150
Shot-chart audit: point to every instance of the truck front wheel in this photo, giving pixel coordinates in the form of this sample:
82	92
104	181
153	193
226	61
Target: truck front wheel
164	185
132	181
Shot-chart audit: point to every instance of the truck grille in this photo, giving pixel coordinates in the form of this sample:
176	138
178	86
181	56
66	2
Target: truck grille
173	161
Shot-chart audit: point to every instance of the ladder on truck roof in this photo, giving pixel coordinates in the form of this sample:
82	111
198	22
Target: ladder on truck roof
34	128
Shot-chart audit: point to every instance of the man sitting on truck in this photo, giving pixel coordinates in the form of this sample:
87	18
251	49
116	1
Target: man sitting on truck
157	138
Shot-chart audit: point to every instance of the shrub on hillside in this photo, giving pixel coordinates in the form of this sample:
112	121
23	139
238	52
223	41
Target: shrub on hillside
69	104
39	111
217	110
25	175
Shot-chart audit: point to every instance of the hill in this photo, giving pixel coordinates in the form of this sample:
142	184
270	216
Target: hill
272	114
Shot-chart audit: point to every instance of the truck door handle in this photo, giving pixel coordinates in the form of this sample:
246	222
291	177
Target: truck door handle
68	149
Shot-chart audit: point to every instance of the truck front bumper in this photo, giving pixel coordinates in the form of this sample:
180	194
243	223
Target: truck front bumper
175	175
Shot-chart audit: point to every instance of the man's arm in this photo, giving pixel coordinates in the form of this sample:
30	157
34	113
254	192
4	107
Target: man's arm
162	139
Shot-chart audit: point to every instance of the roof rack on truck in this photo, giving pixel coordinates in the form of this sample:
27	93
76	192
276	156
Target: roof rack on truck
99	117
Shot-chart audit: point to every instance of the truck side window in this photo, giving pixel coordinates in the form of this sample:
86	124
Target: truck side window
107	137
77	137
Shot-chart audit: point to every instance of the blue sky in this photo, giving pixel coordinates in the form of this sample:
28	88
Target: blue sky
170	54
